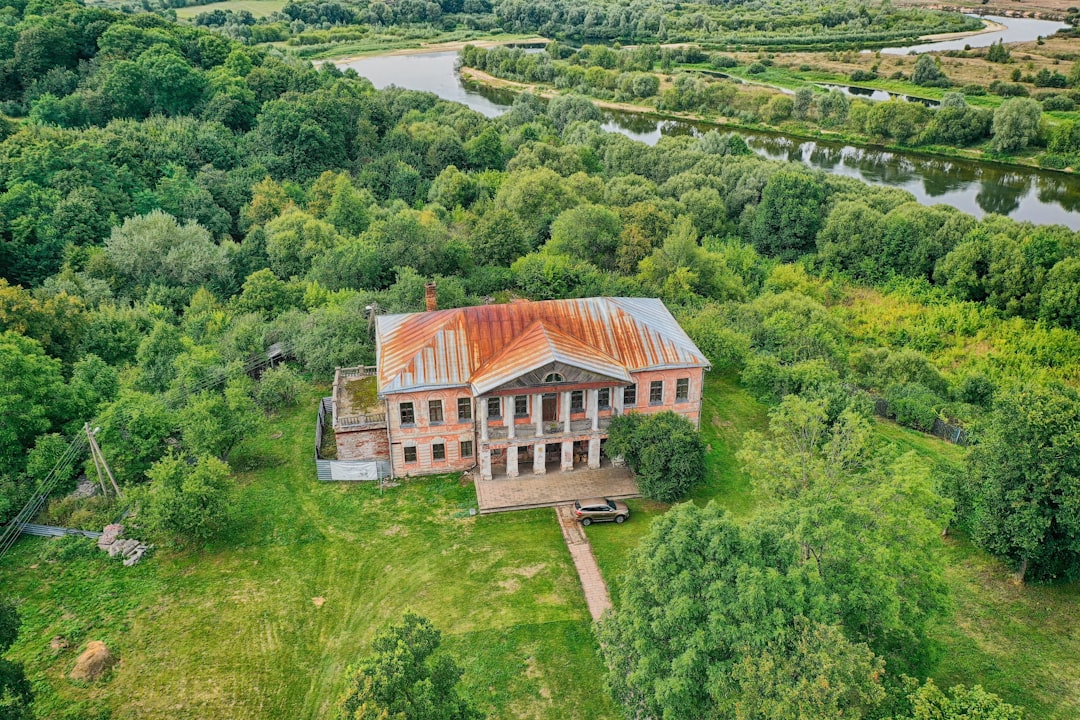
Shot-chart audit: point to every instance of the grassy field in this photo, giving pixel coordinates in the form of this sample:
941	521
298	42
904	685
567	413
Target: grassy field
258	8
265	623
1018	641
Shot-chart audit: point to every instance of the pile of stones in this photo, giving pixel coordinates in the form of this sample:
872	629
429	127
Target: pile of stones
130	550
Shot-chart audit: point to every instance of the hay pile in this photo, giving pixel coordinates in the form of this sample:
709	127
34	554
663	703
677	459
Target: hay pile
93	663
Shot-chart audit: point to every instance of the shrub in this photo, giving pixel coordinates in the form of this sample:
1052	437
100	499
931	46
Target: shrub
863	76
1058	102
664	450
973	90
756	69
722	62
188	501
67	548
279	387
914	405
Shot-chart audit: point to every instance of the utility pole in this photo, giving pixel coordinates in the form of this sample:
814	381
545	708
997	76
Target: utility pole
99	460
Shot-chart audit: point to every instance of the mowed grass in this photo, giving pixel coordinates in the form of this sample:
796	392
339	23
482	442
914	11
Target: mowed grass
265	622
258	8
1021	642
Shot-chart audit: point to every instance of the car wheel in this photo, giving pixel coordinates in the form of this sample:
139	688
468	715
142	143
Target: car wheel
586	521
620	519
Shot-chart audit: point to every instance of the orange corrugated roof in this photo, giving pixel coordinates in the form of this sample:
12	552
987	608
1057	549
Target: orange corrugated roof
448	347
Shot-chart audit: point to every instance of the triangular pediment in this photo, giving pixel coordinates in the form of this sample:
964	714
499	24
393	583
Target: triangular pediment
541	350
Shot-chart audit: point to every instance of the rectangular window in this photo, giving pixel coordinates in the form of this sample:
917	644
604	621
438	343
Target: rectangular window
408	417
434	409
438	451
464	409
521	406
577	401
603	398
494	407
410	453
682	389
466	448
656	392
629	395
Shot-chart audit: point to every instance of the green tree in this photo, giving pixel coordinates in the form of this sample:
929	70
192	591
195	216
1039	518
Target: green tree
1025	472
791	211
155	248
1060	298
663	449
186	501
157	355
928	702
867	522
16	694
406	677
716	620
1015	125
589	232
294	239
33	397
214	423
134	429
928	73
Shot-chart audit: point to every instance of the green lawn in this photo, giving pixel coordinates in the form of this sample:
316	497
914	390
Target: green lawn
264	624
258	8
1018	641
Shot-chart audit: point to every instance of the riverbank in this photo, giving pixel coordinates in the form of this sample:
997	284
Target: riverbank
989	27
358	51
484	79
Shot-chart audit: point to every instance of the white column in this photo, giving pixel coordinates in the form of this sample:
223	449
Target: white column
594	453
485	464
508	415
481	409
538	413
594	408
617	400
540	458
567	455
512	461
564	410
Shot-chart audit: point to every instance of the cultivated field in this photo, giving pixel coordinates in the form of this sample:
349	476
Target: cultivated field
258	8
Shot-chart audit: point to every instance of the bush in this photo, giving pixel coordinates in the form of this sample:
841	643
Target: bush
914	405
83	513
863	76
756	69
973	90
279	387
188	501
1058	102
722	62
664	450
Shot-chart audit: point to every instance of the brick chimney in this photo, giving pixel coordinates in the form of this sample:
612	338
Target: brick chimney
429	296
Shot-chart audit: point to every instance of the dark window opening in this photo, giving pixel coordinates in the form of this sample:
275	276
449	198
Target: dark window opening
435	411
438	451
408	415
410	453
682	389
656	392
521	405
464	408
466	448
603	398
630	395
494	407
577	401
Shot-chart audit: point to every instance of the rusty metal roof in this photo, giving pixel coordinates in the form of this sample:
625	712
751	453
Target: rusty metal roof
489	343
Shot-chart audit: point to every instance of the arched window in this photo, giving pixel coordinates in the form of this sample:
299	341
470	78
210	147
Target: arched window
553	378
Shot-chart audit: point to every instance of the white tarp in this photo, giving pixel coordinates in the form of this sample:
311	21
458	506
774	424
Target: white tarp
358	470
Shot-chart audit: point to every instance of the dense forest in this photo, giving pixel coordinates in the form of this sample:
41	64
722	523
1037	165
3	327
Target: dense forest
687	79
768	23
172	202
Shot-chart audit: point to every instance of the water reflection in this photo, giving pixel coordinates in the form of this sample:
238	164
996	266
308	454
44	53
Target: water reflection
1016	30
975	188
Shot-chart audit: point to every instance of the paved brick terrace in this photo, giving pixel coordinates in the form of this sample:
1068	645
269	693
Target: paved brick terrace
531	491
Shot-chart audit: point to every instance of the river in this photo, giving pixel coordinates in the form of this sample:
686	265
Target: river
973	187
